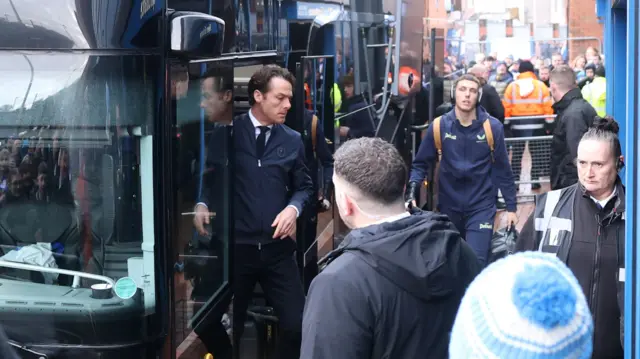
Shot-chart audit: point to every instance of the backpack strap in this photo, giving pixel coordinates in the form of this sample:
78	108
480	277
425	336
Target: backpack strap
489	133
314	134
437	140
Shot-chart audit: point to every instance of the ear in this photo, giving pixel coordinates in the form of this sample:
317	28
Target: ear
257	95
228	96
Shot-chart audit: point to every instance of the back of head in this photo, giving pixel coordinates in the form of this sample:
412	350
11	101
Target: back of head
599	71
478	70
563	77
525	66
527	305
372	171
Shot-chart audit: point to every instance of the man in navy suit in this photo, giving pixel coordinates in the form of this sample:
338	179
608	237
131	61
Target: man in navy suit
272	187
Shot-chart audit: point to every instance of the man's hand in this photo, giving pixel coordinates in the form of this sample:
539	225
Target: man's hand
285	223
512	219
200	219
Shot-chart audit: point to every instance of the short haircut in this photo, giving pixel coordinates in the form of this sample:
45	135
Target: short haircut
467	77
477	70
261	79
564	77
348	80
374	167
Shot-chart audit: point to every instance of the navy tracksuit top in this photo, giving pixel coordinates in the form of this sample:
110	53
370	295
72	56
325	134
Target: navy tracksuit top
468	180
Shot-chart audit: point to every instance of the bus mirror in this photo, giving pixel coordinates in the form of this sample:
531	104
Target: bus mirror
195	34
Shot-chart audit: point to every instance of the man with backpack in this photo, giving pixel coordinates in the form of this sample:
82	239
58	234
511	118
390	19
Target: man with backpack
469	147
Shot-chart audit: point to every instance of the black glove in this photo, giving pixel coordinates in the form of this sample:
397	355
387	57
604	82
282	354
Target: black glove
410	194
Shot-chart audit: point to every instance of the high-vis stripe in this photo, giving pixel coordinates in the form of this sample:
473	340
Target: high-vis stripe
527	127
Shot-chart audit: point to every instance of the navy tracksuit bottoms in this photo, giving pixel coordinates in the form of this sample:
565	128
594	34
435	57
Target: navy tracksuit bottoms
476	227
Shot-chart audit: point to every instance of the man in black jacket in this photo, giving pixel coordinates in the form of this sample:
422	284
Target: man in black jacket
574	117
490	98
584	226
272	187
393	287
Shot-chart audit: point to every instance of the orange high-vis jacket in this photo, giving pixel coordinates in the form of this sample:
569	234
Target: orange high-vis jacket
527	96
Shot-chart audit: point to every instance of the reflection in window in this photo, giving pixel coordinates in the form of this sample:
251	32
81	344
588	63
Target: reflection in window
76	184
202	117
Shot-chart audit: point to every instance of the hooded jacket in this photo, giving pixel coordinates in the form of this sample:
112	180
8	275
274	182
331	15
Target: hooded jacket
390	290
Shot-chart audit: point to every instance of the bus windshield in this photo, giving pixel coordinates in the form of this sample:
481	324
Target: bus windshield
76	196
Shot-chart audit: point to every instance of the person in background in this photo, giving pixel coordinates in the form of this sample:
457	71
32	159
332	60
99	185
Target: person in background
526	97
501	79
526	305
578	66
590	54
595	92
556	60
590	74
574	117
392	288
471	170
543	74
490	98
584	225
356	124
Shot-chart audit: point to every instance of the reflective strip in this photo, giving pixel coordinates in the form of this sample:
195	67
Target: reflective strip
547	99
541	224
556	223
528	100
527	127
621	274
550	119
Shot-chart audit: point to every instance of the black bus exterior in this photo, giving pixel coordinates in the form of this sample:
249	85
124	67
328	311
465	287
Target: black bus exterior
88	182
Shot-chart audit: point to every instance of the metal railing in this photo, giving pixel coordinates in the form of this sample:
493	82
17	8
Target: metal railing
530	158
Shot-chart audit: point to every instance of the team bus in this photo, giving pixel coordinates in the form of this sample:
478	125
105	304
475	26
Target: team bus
106	109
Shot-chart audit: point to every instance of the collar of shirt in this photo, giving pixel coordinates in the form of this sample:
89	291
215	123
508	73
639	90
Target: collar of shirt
393	218
256	123
604	202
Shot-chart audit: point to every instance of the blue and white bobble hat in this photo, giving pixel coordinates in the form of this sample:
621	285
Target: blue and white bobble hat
525	306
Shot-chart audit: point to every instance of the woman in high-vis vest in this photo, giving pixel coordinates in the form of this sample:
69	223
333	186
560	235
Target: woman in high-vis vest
584	225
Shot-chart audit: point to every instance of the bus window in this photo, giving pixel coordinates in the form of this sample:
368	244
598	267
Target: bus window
77	197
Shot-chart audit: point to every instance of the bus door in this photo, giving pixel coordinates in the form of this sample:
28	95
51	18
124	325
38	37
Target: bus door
315	229
201	110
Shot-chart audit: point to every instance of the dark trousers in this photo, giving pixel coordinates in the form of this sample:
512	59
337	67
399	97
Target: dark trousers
274	267
476	227
310	256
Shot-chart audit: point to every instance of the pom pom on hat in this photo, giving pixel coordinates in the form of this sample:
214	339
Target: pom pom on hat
527	305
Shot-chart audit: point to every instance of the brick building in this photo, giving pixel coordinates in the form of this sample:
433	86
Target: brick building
582	21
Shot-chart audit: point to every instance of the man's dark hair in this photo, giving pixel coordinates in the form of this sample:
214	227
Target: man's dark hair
374	167
222	76
599	71
525	66
261	79
348	80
